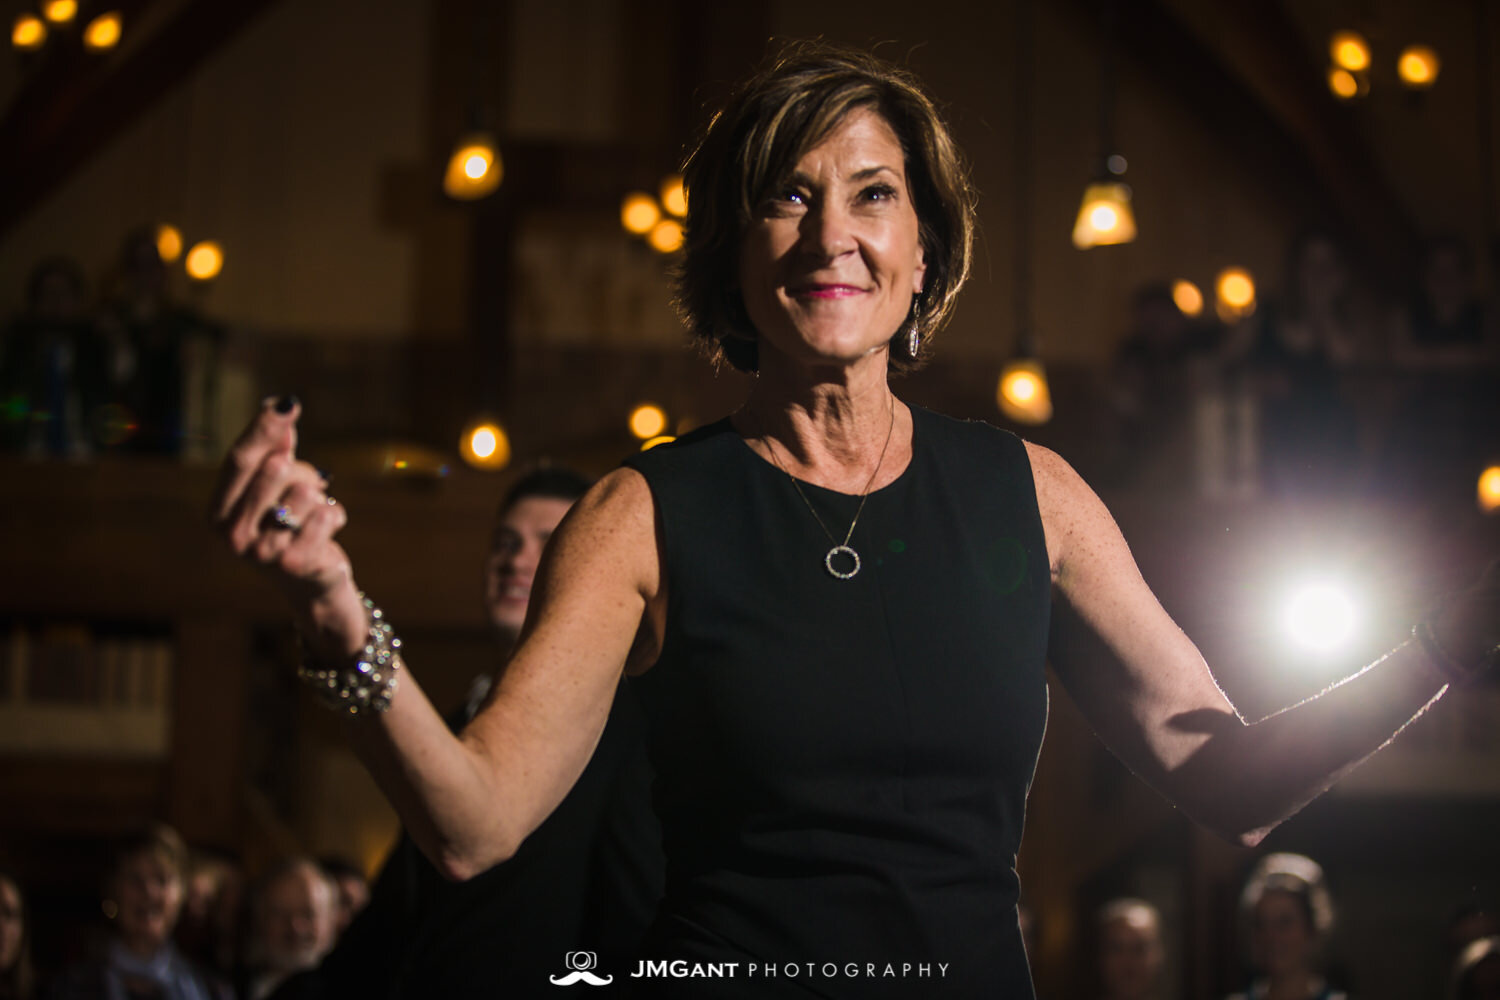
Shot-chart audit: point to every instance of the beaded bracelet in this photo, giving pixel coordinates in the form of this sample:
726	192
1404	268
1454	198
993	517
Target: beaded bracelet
369	682
1457	671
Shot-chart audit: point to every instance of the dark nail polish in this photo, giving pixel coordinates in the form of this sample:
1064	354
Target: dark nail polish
286	403
326	476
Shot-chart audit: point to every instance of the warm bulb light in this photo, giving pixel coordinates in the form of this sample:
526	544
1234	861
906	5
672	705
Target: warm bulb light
1349	50
28	33
204	261
1418	67
666	236
1489	489
1105	217
103	32
60	11
638	213
1343	84
168	243
474	169
485	445
1022	393
1188	297
674	195
1236	292
647	421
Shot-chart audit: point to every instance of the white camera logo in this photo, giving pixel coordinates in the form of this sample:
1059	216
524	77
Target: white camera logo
581	961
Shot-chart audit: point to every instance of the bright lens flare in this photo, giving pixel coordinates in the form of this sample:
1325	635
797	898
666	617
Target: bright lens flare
204	261
638	213
647	421
1350	50
28	33
103	32
1320	617
1489	489
660	439
1188	298
1418	67
60	11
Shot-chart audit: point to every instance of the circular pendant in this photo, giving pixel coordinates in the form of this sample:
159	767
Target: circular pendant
841	550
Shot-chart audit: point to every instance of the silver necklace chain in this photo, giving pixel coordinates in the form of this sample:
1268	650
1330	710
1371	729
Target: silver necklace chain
839	548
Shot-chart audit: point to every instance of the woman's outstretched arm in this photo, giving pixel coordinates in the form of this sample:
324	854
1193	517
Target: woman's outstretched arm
468	801
1147	693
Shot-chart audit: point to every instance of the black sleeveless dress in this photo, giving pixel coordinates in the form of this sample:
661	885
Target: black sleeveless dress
842	765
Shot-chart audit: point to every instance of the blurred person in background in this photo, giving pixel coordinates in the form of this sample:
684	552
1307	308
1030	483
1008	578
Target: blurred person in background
1302	345
1445	324
293	913
143	898
1130	950
17	979
208	930
1476	974
351	886
1288	911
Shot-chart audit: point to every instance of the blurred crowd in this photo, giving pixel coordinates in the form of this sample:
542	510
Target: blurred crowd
131	370
183	924
1326	386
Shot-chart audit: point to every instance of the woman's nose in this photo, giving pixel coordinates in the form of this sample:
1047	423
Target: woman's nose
827	231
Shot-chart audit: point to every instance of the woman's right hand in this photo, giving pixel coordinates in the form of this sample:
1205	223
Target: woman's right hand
272	510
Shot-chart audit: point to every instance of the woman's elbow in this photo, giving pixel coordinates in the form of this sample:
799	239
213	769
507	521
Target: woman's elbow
458	863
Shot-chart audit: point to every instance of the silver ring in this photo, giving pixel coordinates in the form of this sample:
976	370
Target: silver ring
282	518
330	501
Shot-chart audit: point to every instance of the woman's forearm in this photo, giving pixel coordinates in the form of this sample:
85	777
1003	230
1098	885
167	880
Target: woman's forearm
440	786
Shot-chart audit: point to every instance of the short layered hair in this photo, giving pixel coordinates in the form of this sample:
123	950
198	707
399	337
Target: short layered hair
753	145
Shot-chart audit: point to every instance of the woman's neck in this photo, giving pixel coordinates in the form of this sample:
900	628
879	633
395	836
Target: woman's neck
829	427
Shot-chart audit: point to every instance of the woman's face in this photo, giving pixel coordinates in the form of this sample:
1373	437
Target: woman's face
148	892
12	928
830	262
1282	937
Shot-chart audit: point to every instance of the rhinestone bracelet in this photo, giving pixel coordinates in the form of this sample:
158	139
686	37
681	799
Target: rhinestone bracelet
369	682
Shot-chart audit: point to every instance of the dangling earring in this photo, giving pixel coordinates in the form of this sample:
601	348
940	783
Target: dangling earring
913	340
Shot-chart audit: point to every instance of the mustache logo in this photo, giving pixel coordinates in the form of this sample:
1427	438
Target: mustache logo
581	976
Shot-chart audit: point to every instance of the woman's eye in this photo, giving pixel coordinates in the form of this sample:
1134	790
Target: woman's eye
878	192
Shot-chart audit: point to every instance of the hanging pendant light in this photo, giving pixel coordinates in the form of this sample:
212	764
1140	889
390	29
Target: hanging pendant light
474	167
1022	392
1105	217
